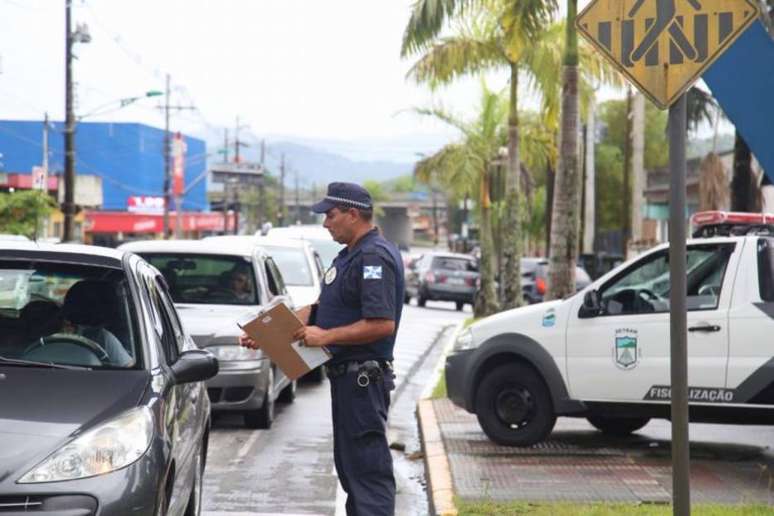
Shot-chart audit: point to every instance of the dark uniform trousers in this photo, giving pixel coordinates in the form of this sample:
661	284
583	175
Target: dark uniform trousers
360	449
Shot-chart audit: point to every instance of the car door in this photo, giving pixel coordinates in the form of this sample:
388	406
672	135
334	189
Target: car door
181	400
623	353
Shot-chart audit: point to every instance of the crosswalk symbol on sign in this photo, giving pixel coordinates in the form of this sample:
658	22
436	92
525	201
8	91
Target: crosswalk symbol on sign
663	46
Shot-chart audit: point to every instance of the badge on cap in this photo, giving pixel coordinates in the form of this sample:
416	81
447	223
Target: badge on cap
330	276
372	272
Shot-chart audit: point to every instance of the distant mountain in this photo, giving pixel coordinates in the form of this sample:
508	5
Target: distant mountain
317	166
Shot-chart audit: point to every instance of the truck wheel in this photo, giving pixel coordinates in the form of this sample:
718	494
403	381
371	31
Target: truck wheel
620	426
514	407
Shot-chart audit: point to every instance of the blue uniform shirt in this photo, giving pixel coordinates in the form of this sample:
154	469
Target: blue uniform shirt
365	282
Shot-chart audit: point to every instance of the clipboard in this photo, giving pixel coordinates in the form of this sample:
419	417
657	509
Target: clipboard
273	329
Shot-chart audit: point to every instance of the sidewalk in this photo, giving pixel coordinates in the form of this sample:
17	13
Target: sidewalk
580	465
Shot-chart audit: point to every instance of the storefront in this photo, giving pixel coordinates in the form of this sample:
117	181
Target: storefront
112	228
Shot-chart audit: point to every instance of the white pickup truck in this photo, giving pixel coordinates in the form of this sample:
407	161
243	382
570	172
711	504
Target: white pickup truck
604	353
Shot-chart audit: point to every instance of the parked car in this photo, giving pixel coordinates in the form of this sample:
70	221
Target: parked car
318	236
102	397
534	279
301	268
213	286
439	276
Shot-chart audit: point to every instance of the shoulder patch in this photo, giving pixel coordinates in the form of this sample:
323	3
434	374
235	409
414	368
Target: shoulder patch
372	272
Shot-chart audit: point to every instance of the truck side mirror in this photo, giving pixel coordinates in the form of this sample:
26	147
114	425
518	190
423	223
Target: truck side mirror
592	304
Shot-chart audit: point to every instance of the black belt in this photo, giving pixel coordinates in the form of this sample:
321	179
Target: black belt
343	368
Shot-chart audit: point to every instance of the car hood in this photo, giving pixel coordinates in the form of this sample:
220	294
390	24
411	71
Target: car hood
303	296
42	407
213	324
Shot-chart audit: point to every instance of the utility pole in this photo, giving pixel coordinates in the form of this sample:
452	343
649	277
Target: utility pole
225	145
45	144
167	156
167	171
435	217
68	208
638	166
281	215
590	185
262	187
298	199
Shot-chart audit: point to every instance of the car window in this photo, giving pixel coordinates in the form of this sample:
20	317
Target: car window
163	325
644	287
207	278
67	314
766	268
274	277
319	264
293	265
171	313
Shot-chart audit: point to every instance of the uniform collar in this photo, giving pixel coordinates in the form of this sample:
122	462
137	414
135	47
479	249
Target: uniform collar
365	238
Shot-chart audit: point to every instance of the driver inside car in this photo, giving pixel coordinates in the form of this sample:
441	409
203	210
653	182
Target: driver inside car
86	311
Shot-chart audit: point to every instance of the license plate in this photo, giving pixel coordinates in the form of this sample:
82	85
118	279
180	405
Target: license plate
456	281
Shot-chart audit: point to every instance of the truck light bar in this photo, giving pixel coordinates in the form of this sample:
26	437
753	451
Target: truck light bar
731	218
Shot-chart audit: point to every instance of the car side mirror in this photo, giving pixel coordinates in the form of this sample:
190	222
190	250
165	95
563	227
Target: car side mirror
195	365
592	304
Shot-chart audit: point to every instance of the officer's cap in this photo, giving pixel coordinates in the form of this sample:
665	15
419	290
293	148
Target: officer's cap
348	195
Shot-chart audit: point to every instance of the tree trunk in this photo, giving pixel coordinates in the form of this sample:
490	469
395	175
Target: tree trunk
589	193
550	183
487	304
626	194
638	168
742	184
565	225
511	279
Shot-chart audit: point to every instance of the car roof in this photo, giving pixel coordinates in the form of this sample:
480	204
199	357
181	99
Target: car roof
442	254
262	241
92	254
301	231
235	247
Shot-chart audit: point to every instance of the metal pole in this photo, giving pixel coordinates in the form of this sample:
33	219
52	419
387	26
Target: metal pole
68	207
167	173
681	488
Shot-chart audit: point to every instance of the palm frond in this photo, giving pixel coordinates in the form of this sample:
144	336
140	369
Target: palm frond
454	57
427	19
528	18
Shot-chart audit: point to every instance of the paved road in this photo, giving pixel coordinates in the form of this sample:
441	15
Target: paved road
289	468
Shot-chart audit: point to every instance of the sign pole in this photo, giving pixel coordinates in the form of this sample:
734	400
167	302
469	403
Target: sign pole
681	494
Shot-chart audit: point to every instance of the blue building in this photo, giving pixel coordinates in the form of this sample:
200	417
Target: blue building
128	157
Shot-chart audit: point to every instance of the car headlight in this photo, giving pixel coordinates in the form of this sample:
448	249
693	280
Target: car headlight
464	340
234	352
103	449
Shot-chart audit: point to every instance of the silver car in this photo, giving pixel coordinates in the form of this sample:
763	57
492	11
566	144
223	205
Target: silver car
102	402
213	285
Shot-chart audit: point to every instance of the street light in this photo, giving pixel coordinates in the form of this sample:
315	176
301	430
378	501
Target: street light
122	103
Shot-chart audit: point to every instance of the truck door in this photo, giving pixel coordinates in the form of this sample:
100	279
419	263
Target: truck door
623	352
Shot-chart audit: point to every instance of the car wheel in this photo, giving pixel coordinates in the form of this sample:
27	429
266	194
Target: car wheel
264	416
407	299
288	394
514	407
421	299
619	426
194	507
460	306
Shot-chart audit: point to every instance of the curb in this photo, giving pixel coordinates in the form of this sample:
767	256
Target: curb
439	479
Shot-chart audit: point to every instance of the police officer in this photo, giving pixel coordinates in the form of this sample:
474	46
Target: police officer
356	319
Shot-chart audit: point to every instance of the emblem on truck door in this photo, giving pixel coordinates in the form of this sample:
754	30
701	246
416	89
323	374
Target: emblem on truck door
626	351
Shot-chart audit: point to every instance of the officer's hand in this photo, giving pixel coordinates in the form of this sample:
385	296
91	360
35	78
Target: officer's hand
246	341
312	336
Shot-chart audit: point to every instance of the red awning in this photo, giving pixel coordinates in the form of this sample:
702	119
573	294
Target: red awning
125	222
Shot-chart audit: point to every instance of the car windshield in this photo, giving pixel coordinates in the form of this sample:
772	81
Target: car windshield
67	314
293	265
207	278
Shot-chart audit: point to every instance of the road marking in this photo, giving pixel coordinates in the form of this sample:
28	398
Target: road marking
246	447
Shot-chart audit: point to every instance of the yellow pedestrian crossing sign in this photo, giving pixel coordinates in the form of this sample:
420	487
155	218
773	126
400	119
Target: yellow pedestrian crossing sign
663	46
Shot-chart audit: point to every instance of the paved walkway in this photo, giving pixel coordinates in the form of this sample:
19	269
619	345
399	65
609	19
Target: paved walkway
579	464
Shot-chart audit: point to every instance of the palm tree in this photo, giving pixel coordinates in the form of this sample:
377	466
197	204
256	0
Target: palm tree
496	37
566	212
465	167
